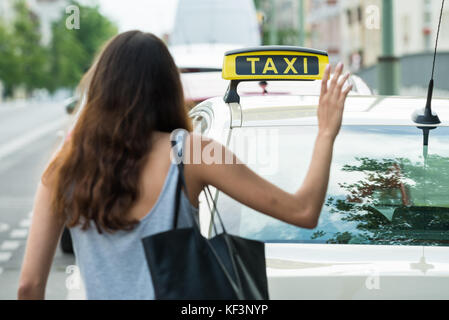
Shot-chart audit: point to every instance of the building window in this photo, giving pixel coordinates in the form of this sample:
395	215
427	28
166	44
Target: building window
445	26
360	14
349	15
406	30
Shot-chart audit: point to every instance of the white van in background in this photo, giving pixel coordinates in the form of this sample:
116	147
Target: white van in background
203	32
218	21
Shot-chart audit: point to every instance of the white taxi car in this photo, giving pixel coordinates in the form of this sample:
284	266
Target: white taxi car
384	229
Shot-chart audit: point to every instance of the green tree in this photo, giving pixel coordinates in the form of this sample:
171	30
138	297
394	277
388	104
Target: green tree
73	51
8	60
68	59
31	56
285	36
262	6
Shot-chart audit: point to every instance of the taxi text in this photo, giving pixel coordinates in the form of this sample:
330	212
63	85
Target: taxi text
277	65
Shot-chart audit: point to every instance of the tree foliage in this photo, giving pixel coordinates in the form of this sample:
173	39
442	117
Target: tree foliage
73	51
22	58
9	61
26	62
27	44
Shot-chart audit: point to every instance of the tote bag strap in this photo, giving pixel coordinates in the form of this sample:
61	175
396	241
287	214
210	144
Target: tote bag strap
178	155
231	248
181	183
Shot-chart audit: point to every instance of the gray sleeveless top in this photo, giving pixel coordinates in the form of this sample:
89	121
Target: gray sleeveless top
113	266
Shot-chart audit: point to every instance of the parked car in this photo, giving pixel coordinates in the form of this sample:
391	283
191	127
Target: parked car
71	104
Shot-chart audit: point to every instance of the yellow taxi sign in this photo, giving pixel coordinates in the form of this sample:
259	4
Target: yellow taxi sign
274	63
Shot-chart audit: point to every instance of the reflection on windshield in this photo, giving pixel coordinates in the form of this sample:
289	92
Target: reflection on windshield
381	190
397	201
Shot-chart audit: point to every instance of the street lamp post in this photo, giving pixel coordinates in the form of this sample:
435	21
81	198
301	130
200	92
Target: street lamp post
273	25
389	68
301	24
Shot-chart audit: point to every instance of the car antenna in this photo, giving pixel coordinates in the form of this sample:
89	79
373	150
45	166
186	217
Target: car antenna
426	116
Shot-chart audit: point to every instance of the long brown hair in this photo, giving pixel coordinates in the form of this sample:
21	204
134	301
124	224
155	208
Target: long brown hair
134	90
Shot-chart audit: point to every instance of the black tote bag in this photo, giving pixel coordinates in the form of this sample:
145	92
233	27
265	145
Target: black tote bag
184	265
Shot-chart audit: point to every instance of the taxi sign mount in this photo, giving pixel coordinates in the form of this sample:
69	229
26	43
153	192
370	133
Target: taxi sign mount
272	63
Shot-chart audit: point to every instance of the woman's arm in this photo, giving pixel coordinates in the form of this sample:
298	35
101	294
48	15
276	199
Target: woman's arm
302	208
46	229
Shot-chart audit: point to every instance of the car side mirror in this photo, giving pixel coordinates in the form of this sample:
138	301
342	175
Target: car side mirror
71	105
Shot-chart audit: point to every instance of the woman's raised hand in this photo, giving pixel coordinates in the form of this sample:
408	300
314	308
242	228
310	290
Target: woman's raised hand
332	102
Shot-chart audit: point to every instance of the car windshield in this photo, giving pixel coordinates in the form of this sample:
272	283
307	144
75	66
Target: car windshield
384	189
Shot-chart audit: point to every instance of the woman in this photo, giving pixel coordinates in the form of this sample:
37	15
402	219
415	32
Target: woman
113	182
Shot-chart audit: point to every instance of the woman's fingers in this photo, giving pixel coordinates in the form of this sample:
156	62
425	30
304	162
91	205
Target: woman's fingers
325	80
336	76
343	80
345	93
341	83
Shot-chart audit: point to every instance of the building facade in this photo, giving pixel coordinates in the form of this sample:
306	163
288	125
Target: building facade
350	30
324	24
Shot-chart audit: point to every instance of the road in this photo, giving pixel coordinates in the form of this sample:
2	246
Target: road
29	133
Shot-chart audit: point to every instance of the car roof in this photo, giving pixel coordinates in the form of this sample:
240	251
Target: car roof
200	86
262	111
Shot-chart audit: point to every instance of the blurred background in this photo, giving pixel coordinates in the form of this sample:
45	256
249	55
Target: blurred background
47	45
389	44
